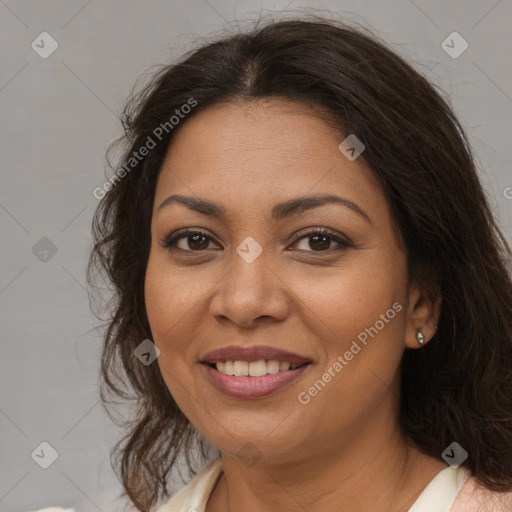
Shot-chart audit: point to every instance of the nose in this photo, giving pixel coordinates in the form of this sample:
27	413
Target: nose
250	293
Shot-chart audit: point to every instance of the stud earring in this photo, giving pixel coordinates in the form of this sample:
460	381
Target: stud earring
420	338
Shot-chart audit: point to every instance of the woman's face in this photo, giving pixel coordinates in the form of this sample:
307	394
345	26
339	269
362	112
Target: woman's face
262	276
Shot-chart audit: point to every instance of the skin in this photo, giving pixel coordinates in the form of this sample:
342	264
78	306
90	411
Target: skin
343	450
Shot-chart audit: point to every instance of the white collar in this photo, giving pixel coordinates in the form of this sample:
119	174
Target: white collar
442	490
438	496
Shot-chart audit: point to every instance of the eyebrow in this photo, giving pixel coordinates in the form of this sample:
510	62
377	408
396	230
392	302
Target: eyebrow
279	211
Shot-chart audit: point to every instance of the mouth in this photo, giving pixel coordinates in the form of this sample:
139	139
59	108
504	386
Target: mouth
253	372
253	354
254	368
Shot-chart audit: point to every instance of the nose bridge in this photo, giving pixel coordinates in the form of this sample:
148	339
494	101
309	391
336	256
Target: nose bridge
248	275
249	288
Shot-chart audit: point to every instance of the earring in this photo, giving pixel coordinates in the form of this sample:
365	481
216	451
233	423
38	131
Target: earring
420	337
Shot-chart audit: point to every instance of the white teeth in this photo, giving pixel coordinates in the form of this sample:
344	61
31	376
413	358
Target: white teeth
228	368
241	368
257	368
254	368
272	366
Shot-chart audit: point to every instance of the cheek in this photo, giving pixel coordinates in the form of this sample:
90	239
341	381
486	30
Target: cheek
166	309
175	303
343	303
360	318
358	314
157	296
169	297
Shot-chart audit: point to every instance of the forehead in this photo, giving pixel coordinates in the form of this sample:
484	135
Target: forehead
259	153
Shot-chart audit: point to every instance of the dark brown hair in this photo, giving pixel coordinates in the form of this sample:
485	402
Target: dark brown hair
458	387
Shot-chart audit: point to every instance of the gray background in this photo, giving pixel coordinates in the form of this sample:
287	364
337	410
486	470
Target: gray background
58	116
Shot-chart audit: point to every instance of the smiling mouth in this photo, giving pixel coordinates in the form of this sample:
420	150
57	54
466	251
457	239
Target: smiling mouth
254	368
248	380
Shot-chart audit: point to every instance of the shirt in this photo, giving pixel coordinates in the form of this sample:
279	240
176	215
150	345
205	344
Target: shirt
451	490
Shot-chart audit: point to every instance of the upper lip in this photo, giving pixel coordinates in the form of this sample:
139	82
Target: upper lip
256	353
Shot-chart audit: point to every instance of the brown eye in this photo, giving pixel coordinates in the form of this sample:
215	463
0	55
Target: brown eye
193	241
320	241
196	242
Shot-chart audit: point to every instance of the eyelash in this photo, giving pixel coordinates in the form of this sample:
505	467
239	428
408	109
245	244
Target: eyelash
170	241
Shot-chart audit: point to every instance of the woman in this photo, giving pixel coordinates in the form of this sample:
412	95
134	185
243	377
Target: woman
308	275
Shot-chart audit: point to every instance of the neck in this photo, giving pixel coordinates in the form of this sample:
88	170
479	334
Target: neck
373	470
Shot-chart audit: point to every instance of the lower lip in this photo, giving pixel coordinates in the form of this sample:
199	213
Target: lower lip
252	387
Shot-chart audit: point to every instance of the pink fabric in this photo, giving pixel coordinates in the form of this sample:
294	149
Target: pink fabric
473	498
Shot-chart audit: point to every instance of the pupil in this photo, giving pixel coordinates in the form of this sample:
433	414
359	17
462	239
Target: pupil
322	245
195	238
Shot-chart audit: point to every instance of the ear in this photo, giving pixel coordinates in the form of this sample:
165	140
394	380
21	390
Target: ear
423	312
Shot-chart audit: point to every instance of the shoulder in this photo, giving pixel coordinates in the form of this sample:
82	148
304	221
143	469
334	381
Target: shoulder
475	498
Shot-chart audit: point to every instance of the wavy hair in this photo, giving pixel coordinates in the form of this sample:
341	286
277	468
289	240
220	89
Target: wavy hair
458	387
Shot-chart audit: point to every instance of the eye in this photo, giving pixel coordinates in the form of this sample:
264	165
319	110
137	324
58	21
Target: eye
320	240
195	240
